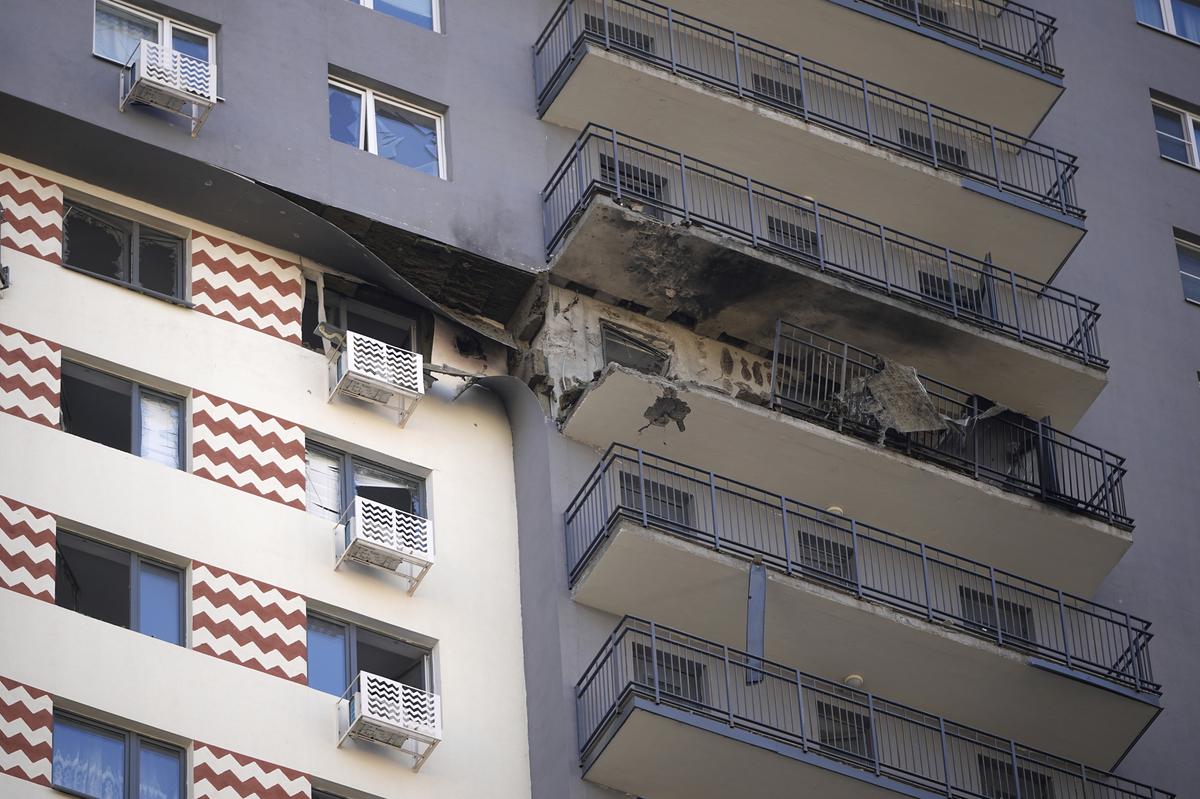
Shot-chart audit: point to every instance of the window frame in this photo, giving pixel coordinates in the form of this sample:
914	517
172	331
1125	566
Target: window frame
347	485
132	741
368	134
166	26
1190	122
135	225
135	419
135	561
435	8
1180	241
1167	9
350	647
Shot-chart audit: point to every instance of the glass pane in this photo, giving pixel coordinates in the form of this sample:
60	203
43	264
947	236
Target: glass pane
418	12
387	486
96	242
407	137
1187	18
97	406
1189	259
324	483
161	429
1191	287
345	115
1174	148
327	667
92	579
160	262
159	773
88	760
189	43
1150	12
159	603
1169	122
118	32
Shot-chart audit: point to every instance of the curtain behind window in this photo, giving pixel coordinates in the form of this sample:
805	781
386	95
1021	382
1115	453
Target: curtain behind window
324	483
160	429
118	32
1150	12
1187	19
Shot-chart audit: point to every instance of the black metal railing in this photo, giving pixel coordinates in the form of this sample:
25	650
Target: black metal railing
1007	28
676	188
812	91
822	379
856	728
803	541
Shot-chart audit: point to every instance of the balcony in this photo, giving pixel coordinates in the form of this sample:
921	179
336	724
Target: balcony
666	714
375	534
990	59
379	710
158	76
845	597
665	76
754	253
367	369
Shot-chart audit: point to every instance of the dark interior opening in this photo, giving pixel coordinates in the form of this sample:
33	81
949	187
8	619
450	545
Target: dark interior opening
92	579
97	407
393	659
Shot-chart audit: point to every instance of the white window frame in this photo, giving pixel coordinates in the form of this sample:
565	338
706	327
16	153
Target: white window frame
435	6
166	26
367	133
1190	121
1168	15
1180	242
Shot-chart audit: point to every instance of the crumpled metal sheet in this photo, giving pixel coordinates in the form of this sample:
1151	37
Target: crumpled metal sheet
901	401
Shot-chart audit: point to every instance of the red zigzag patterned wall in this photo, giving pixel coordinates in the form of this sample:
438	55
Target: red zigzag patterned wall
26	730
33	214
221	774
27	537
243	286
30	376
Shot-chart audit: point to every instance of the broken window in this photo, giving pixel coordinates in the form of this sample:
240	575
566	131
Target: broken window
621	348
358	308
338	651
844	729
663	502
677	676
335	478
946	153
978	608
119	587
121	414
619	34
996	780
938	288
122	251
792	235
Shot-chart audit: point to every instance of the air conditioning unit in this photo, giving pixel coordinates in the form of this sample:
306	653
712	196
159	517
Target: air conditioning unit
368	369
384	711
377	535
156	75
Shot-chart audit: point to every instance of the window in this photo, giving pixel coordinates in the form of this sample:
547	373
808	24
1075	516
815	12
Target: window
123	415
938	288
928	12
1177	17
677	676
791	235
102	762
393	129
826	556
1178	132
996	780
423	13
946	154
359	308
619	34
637	181
123	251
335	478
621	348
1189	269
775	89
338	651
665	503
119	587
844	729
120	27
979	609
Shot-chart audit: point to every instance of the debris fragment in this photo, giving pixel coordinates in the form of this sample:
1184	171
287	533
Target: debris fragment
666	409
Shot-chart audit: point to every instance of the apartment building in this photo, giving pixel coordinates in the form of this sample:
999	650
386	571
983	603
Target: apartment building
598	397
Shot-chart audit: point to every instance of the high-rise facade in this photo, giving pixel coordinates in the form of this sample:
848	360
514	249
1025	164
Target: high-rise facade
598	397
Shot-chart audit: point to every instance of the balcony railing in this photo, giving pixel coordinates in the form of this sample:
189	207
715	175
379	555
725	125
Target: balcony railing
817	93
1000	26
377	709
676	188
368	369
825	380
162	77
801	540
379	535
642	660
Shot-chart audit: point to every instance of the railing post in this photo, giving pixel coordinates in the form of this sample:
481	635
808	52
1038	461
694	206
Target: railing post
975	434
854	548
1135	662
978	27
579	183
1082	331
671	39
750	198
687	214
607	39
945	755
616	149
803	88
817	232
570	15
995	157
1012	748
925	575
1066	635
737	64
800	700
996	607
874	733
712	493
1109	485
887	278
787	535
1043	460
775	362
950	278
867	109
654	662
917	10
728	688
1012	280
929	119
842	386
642	489
1041	48
1058	175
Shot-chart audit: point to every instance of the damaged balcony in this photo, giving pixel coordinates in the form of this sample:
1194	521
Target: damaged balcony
666	714
889	446
989	59
689	240
665	76
364	368
652	537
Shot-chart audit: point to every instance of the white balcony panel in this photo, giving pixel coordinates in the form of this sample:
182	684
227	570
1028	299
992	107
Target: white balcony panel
159	76
378	535
374	371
